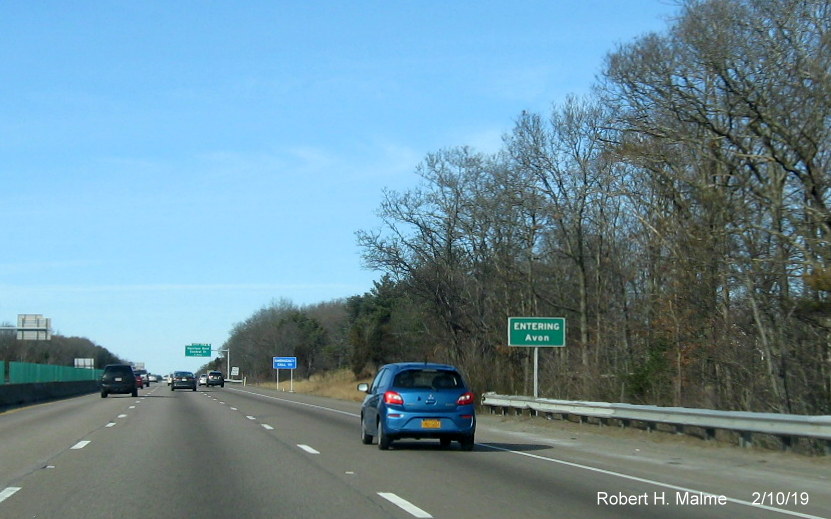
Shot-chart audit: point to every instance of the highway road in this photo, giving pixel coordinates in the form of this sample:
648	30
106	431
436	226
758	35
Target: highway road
253	453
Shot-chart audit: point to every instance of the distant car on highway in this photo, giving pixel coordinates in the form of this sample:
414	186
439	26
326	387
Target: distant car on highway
418	400
118	378
145	377
183	380
215	378
203	379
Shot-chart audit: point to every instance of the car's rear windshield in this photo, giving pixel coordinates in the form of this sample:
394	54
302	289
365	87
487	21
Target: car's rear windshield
428	379
118	369
183	374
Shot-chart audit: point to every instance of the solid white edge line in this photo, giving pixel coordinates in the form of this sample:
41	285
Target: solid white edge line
308	449
81	444
405	505
653	482
7	493
298	403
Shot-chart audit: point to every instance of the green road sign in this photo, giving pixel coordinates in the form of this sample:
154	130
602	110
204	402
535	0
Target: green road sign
537	331
198	350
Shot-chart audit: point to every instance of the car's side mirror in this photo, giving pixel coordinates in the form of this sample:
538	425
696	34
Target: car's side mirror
363	386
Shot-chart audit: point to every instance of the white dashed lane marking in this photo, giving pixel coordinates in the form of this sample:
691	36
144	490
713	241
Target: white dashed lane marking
308	449
81	444
267	427
405	505
7	493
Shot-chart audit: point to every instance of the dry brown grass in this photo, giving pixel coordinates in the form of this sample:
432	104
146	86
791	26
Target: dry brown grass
340	384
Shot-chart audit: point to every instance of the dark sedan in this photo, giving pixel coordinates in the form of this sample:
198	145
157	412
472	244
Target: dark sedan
183	380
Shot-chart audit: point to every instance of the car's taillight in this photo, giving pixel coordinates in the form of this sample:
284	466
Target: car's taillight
391	397
466	399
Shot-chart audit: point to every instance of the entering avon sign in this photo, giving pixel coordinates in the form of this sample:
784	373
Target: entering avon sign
537	331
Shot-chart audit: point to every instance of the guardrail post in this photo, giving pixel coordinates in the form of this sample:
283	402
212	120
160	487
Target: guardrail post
745	439
787	443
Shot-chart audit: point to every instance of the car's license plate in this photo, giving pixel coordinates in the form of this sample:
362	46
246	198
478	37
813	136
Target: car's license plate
430	424
118	379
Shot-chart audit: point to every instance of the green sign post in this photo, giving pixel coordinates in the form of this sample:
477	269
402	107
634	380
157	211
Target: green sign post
537	332
198	350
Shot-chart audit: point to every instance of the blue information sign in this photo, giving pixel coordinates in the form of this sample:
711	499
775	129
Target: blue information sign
285	362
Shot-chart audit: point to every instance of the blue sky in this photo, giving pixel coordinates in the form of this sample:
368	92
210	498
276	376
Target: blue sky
169	168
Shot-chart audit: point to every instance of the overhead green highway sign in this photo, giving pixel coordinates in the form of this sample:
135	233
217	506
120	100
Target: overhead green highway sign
537	331
198	350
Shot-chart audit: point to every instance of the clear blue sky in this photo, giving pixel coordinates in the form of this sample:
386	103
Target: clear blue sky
167	168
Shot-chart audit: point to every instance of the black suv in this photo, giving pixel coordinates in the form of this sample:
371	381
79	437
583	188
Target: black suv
215	378
118	378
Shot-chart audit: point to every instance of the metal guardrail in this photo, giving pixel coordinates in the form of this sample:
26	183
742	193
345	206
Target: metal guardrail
784	426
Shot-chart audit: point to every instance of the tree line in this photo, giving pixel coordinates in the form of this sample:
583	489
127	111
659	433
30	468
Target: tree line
60	350
677	217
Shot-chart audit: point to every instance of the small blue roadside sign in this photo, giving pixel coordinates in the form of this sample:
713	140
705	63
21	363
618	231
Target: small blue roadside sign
285	362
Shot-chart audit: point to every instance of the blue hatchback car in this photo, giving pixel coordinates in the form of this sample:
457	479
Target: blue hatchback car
418	400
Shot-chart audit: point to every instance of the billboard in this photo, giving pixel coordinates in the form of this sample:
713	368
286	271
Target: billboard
34	327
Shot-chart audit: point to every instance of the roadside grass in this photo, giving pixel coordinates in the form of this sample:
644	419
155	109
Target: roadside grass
340	384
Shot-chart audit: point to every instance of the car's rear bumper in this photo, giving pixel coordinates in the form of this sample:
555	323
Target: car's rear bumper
416	425
119	388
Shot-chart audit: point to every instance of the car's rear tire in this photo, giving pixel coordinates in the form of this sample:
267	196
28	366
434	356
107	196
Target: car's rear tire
103	394
135	393
384	440
194	388
444	442
172	388
467	443
366	439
